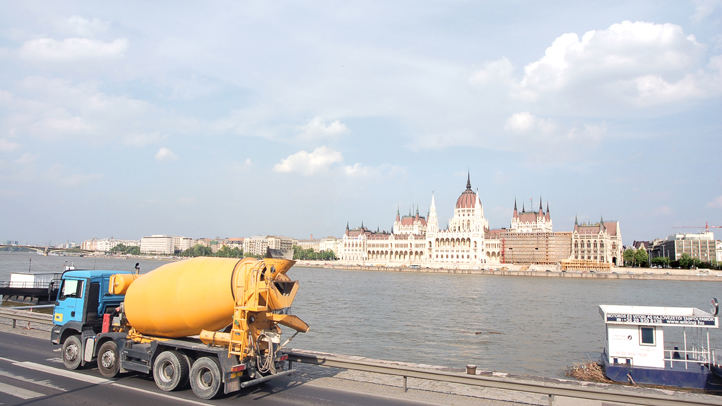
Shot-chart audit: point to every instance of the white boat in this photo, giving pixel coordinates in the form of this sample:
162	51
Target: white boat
635	351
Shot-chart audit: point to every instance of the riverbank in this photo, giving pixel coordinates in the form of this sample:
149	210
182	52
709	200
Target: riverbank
537	271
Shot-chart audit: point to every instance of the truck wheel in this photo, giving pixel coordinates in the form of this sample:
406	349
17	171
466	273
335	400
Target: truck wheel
170	370
71	352
108	360
205	378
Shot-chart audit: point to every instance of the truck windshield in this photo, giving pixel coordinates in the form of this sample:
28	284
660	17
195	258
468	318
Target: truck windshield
71	288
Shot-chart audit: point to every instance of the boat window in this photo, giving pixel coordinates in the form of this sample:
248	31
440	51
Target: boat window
71	288
646	335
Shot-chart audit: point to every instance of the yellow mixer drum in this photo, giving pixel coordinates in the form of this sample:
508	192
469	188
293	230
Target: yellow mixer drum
182	298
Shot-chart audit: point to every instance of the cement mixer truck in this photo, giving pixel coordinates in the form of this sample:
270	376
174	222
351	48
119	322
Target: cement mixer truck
211	323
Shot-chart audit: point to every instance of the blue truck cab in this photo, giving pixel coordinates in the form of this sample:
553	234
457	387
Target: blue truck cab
82	301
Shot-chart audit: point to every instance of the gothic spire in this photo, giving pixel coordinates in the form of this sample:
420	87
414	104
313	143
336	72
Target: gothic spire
468	180
576	221
540	204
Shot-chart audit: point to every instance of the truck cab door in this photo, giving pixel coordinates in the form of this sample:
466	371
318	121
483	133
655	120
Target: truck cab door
70	304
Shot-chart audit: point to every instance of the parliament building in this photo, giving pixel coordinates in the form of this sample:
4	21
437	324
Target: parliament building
468	242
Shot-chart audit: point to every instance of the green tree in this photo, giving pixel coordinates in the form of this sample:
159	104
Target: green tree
641	257
685	261
629	255
662	262
197	251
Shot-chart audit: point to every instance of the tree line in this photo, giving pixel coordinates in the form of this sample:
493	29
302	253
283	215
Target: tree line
640	258
310	254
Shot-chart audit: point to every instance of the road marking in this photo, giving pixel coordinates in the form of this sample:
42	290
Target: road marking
61	372
95	380
19	392
44	383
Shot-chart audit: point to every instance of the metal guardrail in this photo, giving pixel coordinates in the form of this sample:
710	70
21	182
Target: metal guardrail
551	388
24	315
602	393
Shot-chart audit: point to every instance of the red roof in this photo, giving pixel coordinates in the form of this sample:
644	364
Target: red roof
611	227
529	217
467	200
409	221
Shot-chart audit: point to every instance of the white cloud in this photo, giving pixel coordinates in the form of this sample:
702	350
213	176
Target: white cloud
638	60
317	128
525	122
165	154
54	109
358	170
83	27
7	146
143	139
71	49
308	163
705	8
494	72
716	203
26	158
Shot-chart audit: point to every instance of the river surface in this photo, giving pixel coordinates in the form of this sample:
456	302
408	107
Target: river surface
520	325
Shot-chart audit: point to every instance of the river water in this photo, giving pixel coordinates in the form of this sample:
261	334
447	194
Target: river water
520	325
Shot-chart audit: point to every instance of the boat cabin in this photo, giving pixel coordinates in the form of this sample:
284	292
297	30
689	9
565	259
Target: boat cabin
634	344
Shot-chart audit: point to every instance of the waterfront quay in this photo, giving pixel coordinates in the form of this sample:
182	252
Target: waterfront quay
541	271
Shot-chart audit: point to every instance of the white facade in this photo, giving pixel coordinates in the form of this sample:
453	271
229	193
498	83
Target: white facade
157	244
419	241
258	245
106	244
599	242
181	244
531	221
719	251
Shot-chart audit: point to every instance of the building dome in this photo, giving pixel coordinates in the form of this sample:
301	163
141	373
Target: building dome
467	200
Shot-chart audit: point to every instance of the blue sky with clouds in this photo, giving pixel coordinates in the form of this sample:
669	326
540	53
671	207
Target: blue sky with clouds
244	118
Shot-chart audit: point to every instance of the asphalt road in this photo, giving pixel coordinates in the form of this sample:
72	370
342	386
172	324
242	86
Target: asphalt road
31	373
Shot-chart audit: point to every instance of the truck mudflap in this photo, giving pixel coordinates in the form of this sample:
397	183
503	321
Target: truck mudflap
55	334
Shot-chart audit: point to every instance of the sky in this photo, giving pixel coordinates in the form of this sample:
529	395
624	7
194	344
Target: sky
232	119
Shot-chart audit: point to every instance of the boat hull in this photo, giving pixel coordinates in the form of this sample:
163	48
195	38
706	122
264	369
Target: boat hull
696	376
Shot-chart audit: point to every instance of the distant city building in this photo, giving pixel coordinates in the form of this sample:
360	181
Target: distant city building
234	243
701	246
258	245
531	221
106	244
645	245
157	244
330	244
181	244
310	244
600	242
719	252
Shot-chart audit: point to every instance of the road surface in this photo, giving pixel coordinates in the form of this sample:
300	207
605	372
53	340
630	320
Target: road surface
31	373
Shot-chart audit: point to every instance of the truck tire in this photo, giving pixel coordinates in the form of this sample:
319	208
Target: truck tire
170	370
71	352
108	359
205	378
